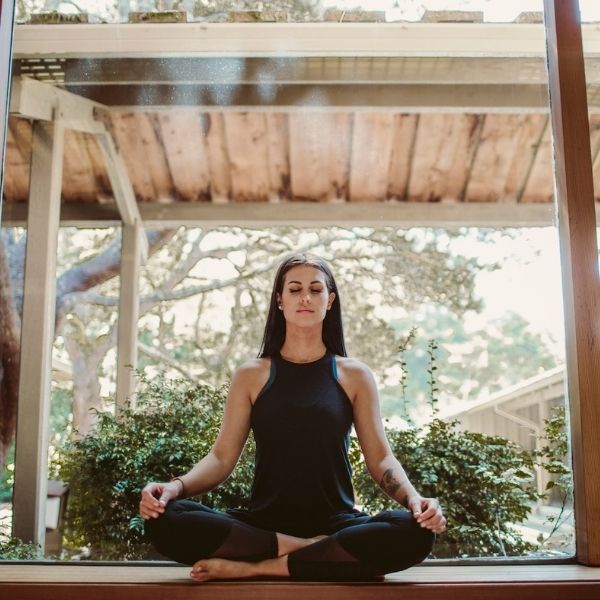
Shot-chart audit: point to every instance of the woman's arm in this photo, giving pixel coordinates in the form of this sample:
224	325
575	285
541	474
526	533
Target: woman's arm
214	468
381	463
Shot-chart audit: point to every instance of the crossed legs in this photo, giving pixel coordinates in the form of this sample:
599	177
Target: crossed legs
221	547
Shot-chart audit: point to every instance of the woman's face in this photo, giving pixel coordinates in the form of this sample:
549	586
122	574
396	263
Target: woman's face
305	299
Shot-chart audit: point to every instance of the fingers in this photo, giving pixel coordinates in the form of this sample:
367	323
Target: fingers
430	511
432	517
415	507
152	507
436	524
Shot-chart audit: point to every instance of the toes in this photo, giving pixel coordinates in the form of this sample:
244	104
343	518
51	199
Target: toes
199	570
200	574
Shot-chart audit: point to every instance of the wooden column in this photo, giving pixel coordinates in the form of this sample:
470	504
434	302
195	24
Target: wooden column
37	333
129	308
579	257
134	250
7	11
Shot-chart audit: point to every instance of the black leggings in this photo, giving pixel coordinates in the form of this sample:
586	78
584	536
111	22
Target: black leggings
358	546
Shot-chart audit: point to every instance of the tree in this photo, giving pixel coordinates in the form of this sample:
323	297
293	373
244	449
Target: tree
71	284
370	266
483	361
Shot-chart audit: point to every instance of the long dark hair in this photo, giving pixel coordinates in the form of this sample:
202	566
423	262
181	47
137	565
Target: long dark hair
333	332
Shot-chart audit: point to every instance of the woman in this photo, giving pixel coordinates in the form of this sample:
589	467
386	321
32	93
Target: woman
301	398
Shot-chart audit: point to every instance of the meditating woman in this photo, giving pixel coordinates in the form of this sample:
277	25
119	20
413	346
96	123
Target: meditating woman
300	398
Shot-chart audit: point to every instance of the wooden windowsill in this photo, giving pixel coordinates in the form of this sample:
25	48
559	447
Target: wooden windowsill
510	582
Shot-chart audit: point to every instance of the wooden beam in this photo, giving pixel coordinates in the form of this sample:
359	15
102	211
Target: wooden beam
579	256
407	98
37	333
306	39
208	70
297	69
129	308
42	101
119	179
497	70
310	214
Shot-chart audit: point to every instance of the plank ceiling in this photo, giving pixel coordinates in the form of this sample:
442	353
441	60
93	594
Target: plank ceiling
189	154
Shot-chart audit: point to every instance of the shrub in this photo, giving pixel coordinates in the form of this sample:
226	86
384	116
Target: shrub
174	424
482	482
12	548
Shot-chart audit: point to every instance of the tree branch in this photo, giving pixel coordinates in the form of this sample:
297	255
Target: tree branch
165	358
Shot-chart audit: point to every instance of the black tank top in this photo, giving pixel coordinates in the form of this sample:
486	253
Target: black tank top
301	422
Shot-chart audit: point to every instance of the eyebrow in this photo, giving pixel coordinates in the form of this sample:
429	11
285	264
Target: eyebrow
300	283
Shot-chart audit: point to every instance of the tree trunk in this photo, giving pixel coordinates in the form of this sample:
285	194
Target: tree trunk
82	277
86	386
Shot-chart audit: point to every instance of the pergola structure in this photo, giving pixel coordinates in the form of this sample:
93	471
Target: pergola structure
254	97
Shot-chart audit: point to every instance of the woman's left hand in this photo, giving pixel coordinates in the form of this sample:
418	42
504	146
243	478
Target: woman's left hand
428	513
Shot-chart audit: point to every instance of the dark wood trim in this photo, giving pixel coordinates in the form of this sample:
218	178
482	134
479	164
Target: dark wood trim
579	590
7	18
579	256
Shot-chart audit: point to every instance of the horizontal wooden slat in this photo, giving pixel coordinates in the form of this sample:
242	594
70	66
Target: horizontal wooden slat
66	582
300	69
267	96
400	214
309	39
172	573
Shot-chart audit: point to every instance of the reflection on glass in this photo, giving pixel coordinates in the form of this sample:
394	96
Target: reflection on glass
458	323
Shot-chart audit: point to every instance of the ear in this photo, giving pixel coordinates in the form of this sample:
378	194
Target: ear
331	299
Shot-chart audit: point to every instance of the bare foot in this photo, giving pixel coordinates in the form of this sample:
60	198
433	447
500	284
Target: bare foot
221	568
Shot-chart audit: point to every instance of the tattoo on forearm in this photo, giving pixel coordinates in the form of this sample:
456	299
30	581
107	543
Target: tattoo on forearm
389	484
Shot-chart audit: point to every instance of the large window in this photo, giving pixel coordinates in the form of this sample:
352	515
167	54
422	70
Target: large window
414	156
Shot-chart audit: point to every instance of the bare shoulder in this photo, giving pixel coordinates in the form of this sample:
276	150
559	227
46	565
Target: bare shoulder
253	375
354	375
353	367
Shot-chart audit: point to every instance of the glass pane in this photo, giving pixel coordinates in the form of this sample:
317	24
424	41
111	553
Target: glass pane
414	156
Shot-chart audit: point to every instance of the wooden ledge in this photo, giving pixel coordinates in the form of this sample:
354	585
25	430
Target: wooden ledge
511	582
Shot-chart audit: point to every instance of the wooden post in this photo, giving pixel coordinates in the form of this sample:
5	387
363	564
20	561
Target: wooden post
7	20
579	257
129	308
134	250
37	333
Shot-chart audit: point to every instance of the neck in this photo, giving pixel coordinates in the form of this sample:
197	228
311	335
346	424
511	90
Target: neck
298	348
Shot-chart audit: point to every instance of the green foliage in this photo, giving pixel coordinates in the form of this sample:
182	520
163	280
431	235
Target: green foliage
551	458
483	483
431	371
7	476
12	548
402	349
174	424
60	416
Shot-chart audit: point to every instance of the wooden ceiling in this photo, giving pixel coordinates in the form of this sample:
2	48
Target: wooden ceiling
196	156
463	127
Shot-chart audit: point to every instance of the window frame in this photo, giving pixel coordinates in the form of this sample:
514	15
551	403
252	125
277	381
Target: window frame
577	230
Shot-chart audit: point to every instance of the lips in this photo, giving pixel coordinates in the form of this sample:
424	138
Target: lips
305	310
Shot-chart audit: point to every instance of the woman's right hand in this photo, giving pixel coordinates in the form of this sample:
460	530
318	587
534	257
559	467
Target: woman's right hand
155	496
